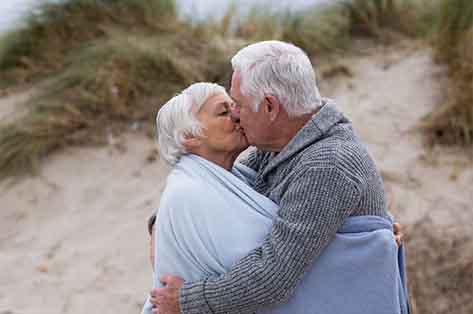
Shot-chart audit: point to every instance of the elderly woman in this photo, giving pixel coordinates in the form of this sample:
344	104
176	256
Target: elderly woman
209	216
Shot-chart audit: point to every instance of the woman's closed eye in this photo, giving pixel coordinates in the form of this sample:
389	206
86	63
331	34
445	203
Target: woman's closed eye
224	113
225	110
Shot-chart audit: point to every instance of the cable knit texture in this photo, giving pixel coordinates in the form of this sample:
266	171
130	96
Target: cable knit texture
321	177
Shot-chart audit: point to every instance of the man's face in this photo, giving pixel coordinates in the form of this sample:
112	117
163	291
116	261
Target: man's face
256	125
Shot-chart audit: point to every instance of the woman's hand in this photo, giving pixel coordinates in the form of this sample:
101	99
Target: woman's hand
166	300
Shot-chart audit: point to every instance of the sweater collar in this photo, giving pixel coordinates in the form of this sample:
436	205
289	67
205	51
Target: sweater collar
314	130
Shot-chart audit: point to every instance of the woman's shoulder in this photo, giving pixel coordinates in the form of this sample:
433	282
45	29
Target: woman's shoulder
183	192
180	185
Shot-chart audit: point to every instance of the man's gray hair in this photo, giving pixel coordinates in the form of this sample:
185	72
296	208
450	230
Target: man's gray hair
279	69
176	119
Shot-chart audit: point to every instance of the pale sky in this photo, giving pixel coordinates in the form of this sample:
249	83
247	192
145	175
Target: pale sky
11	11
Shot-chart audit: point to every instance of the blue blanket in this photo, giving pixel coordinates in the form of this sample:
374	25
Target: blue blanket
209	218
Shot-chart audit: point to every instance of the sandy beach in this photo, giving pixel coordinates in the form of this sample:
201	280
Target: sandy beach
73	239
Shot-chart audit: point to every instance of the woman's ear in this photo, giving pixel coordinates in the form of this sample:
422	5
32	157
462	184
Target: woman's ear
191	142
272	107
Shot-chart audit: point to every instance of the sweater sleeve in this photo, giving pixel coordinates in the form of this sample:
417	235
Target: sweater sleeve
312	209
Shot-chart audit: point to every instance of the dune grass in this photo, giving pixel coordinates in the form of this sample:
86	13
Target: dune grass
112	62
380	18
127	80
370	18
42	46
331	28
452	122
448	26
316	30
109	73
440	268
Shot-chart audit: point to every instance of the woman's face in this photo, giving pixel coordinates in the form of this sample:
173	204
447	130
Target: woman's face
220	133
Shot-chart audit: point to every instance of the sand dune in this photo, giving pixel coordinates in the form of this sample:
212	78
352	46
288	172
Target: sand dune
73	239
390	92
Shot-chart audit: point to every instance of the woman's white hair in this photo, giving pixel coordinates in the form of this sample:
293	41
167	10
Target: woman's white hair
176	119
279	69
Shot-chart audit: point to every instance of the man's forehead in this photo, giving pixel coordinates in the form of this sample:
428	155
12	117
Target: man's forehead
235	83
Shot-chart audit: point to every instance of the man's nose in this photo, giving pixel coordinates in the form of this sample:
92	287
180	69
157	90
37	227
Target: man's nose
235	113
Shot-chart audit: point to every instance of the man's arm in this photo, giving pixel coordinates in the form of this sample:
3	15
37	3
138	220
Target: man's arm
312	210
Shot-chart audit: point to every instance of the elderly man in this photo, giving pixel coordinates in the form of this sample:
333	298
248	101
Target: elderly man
308	160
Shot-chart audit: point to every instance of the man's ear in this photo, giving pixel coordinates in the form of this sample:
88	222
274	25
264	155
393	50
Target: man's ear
272	107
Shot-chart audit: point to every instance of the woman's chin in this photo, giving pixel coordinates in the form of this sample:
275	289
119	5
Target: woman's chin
242	146
242	140
245	143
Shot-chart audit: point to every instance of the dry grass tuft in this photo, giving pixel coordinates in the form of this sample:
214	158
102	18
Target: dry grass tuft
369	18
112	62
103	83
381	19
452	122
440	269
41	48
317	30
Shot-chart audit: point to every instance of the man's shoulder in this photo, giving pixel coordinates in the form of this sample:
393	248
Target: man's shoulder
346	153
328	150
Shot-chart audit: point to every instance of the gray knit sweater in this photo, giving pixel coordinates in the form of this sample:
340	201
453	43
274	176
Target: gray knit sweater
320	178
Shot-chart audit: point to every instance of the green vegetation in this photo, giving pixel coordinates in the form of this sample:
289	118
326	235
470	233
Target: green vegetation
452	122
448	26
370	18
377	18
42	47
125	59
112	62
319	30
